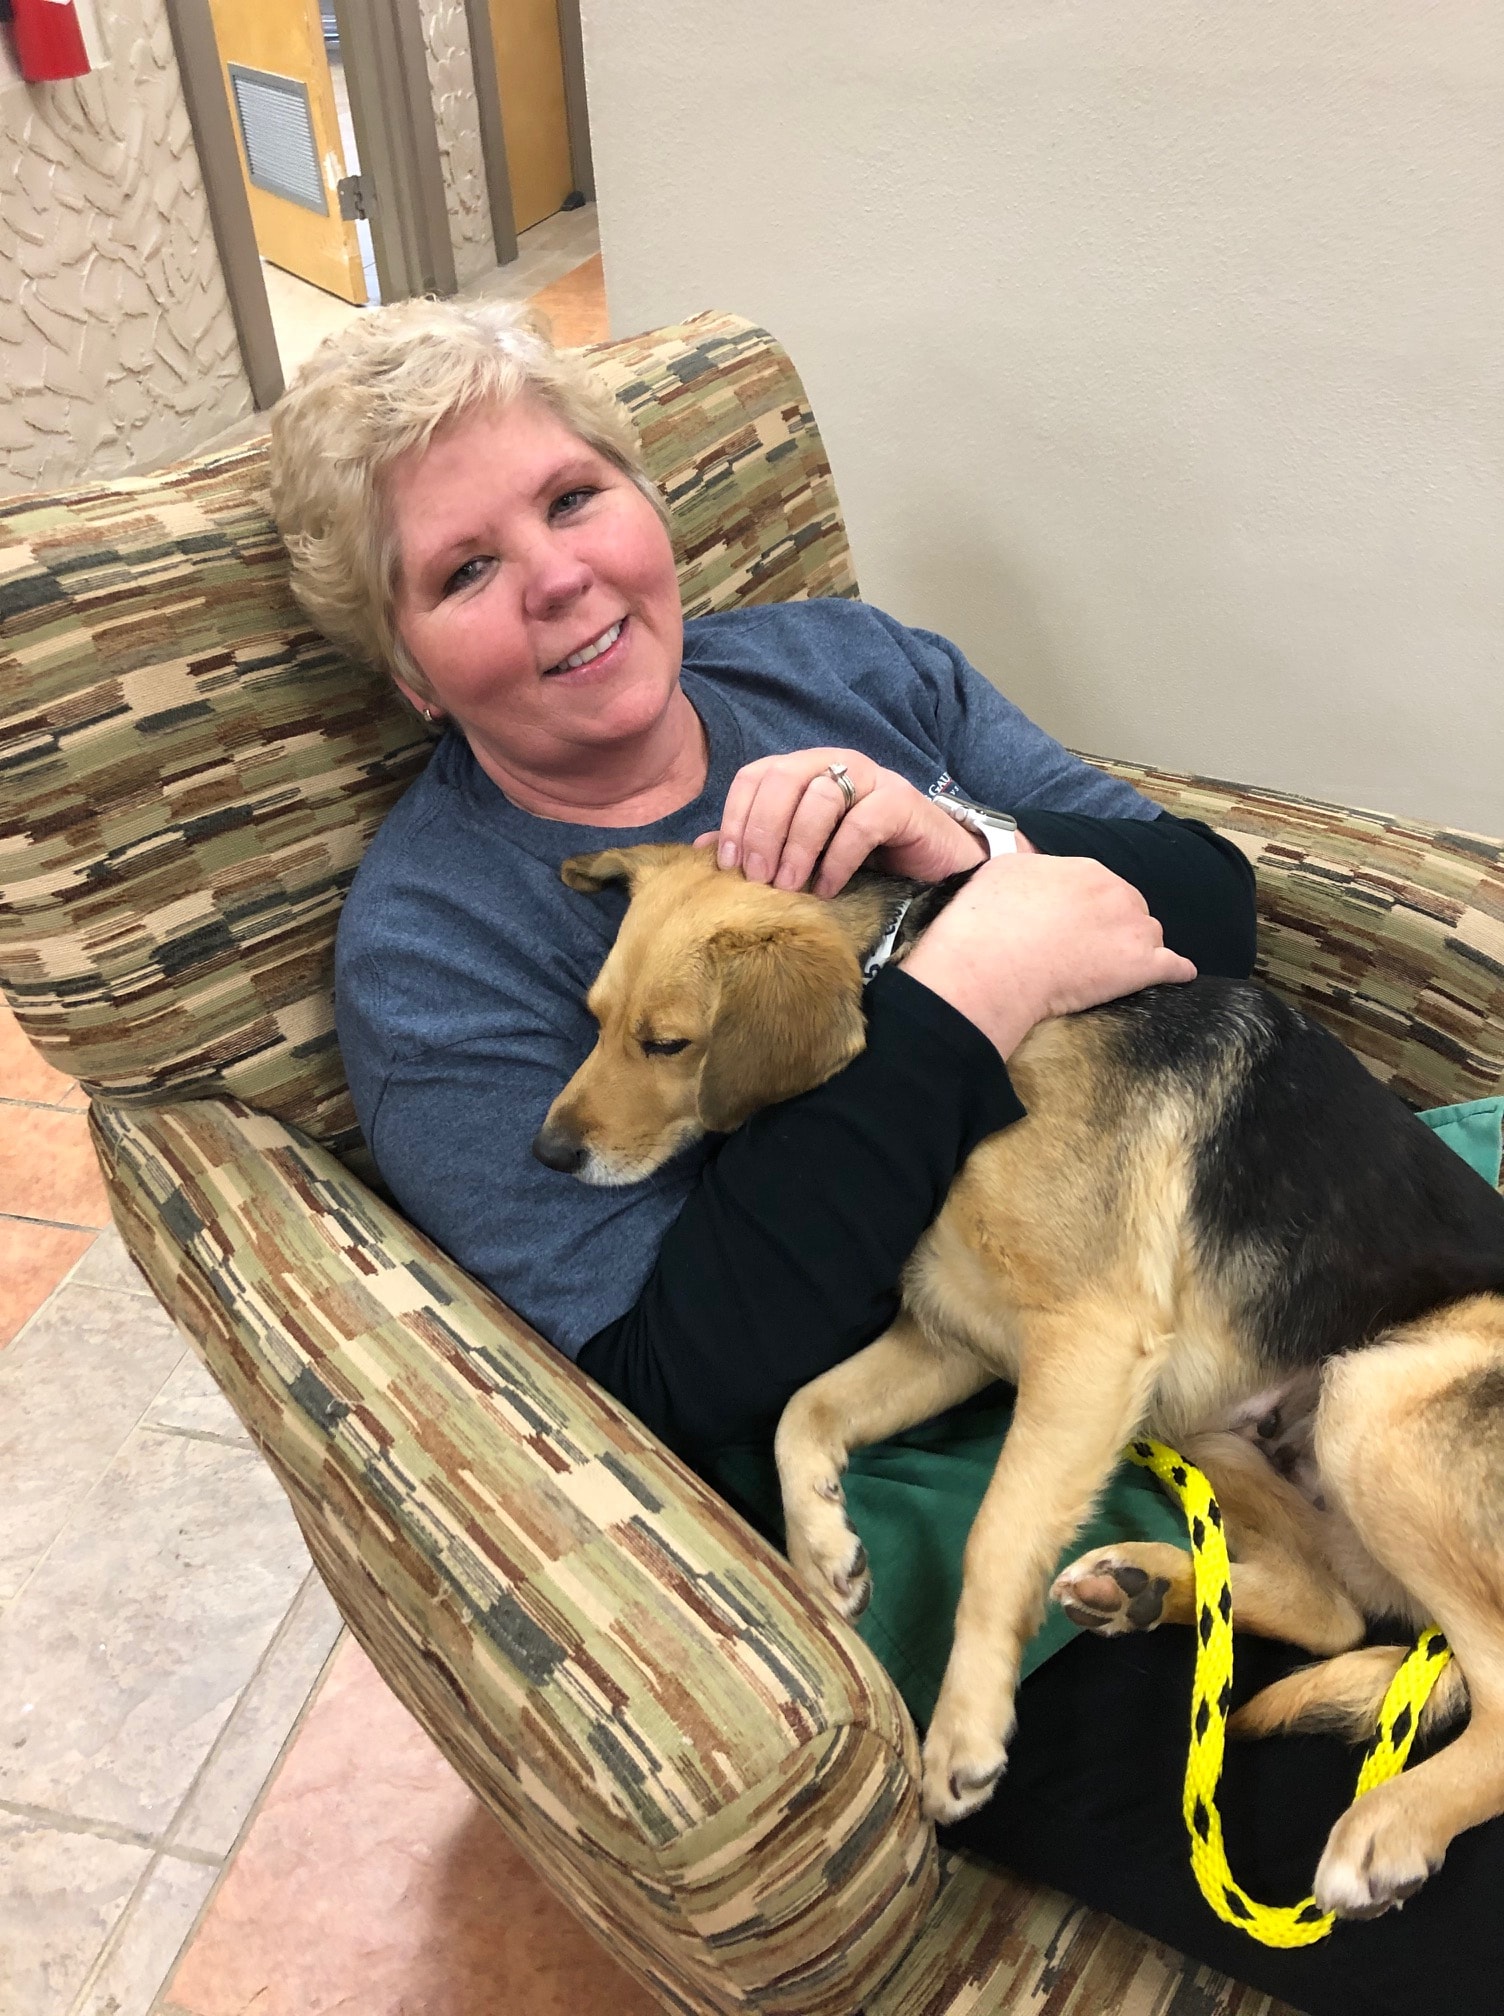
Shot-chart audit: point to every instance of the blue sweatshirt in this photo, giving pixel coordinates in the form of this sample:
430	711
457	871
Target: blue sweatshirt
462	960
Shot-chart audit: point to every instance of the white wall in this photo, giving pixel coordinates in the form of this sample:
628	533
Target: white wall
1158	348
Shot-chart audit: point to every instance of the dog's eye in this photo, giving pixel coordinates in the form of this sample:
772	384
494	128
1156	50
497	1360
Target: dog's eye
670	1046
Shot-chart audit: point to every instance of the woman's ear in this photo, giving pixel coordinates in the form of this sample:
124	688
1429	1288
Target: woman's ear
788	1016
421	703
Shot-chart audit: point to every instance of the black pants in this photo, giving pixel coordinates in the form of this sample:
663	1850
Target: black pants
1090	1804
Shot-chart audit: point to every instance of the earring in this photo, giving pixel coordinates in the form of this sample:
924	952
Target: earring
428	715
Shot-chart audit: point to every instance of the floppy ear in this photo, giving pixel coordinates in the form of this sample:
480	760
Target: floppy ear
788	1016
589	872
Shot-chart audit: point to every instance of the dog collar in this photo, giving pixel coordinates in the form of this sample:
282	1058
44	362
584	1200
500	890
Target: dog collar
882	952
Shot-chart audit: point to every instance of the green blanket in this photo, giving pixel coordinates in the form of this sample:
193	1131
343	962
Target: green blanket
913	1499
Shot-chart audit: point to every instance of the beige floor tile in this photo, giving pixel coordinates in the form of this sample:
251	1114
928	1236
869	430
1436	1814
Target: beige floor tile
372	1880
302	316
48	1167
24	1071
191	1403
139	1955
544	254
246	1753
33	1260
61	1895
124	1656
72	1388
108	1264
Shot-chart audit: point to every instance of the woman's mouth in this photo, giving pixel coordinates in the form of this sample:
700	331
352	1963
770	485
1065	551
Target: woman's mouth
589	653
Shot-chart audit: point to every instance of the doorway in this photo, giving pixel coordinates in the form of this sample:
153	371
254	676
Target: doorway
285	85
295	159
529	57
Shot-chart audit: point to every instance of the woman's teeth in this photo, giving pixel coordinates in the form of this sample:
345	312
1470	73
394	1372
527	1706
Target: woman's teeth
583	657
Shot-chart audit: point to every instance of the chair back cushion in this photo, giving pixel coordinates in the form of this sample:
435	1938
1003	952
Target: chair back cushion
189	774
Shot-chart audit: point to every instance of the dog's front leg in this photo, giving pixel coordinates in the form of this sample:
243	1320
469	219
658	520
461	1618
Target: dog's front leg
899	1379
1084	1381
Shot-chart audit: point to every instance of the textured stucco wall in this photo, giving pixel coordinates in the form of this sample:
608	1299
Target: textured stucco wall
1157	347
446	41
117	347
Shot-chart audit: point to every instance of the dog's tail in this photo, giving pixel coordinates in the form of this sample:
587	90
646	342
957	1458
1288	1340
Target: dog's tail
1343	1696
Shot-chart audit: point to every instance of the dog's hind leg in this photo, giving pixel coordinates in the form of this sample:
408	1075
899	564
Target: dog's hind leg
901	1378
1410	1441
1085	1374
1282	1584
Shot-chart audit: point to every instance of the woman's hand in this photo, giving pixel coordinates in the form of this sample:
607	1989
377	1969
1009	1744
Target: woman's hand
782	812
1030	938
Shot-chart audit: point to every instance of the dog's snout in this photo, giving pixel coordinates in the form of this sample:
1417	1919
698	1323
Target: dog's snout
556	1149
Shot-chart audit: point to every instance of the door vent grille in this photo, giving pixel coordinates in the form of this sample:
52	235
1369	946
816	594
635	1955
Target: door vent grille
276	130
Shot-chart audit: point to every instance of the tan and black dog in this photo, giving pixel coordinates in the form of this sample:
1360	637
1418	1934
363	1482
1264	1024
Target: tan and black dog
1213	1223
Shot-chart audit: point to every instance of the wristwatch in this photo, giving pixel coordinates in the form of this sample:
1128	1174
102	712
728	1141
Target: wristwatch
998	830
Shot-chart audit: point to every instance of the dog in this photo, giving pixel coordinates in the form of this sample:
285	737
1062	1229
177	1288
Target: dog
1213	1227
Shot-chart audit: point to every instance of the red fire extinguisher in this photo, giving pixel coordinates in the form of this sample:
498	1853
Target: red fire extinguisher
49	41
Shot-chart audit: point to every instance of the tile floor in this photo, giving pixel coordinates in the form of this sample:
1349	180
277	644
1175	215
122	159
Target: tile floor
553	252
209	1803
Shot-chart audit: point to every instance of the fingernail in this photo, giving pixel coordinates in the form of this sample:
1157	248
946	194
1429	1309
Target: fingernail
726	856
785	878
755	868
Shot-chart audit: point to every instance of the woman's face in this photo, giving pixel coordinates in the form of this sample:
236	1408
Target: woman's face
522	548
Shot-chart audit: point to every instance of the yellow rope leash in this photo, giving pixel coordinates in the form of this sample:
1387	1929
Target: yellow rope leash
1211	1694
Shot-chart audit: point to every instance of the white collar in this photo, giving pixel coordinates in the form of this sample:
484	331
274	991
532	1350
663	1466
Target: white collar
882	952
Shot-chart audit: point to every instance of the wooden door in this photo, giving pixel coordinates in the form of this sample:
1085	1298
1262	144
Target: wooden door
282	103
530	78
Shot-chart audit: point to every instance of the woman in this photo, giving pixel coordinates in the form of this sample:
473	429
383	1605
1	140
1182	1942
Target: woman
467	510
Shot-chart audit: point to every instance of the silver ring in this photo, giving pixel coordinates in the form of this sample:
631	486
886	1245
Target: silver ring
848	789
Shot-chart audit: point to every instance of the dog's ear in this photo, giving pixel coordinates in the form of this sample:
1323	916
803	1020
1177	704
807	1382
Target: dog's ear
788	1016
589	872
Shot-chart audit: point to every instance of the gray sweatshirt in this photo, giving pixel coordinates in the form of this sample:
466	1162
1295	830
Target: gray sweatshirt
462	960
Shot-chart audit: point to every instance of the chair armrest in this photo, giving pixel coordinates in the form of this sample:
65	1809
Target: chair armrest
1390	932
721	1780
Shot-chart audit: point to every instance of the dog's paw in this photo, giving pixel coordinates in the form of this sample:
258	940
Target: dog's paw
1376	1856
1111	1593
961	1767
826	1551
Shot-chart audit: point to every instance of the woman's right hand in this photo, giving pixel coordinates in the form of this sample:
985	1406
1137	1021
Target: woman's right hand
1036	935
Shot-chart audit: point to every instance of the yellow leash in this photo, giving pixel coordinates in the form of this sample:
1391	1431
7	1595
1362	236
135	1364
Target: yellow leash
1211	1694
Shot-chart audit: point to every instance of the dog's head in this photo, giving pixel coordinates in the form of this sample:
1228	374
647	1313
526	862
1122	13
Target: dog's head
719	997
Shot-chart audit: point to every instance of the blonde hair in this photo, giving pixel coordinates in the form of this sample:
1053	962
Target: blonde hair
379	390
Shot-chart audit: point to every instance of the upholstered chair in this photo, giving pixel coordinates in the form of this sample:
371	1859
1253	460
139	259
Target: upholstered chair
719	1778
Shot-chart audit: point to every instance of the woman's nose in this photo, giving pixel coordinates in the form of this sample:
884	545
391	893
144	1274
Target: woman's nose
556	577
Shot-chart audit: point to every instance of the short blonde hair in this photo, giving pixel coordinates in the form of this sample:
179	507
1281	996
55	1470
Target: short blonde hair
379	390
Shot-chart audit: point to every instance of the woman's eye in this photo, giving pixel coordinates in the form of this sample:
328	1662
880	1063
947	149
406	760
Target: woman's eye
667	1046
571	500
463	575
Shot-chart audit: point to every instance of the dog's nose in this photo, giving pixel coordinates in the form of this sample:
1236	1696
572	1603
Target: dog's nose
556	1150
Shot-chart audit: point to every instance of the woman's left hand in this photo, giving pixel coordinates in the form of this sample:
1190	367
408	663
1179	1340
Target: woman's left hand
782	812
